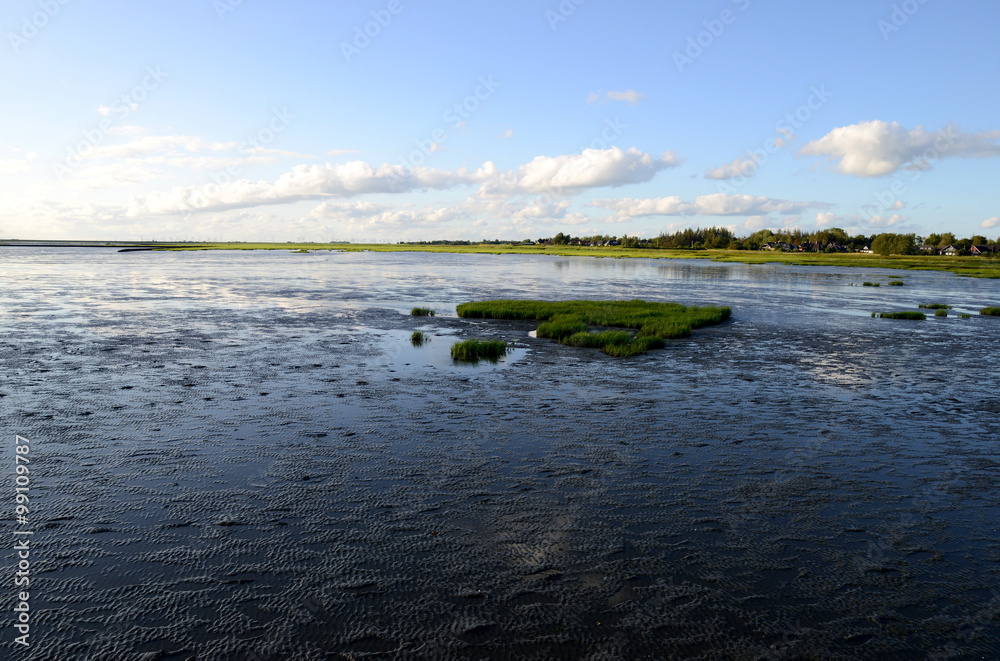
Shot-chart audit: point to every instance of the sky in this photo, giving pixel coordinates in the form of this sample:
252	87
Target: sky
401	120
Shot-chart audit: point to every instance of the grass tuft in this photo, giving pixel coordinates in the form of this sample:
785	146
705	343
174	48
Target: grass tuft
418	338
990	312
913	316
934	306
570	321
965	316
896	283
422	312
474	350
871	284
940	313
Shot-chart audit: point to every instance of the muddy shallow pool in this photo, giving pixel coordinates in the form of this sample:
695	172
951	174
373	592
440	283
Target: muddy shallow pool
240	455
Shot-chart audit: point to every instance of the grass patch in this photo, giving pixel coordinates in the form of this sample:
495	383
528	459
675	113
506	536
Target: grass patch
418	338
912	316
934	306
940	313
570	321
895	277
965	316
896	283
422	312
871	284
990	312
474	350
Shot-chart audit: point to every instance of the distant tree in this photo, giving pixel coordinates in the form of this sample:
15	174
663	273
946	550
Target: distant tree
894	244
946	239
978	240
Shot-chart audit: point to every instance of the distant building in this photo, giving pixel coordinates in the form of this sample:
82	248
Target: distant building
984	250
951	251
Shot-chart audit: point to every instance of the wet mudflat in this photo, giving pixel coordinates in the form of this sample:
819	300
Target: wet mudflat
241	456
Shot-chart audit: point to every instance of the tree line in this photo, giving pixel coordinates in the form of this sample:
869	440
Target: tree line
832	239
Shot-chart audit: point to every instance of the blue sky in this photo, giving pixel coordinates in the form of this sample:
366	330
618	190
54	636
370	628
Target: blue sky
250	120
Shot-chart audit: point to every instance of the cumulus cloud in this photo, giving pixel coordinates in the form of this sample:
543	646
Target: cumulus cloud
721	204
718	204
306	182
877	148
740	167
591	169
991	223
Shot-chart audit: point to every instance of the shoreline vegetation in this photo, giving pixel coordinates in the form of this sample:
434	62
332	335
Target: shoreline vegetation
974	267
474	350
639	326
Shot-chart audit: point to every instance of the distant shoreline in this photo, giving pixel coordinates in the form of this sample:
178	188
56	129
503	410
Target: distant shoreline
974	267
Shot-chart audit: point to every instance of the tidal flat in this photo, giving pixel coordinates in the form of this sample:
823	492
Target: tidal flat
241	455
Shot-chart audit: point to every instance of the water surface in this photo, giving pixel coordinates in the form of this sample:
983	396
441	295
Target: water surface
241	456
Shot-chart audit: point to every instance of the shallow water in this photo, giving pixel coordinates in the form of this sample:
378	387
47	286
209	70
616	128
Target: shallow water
241	456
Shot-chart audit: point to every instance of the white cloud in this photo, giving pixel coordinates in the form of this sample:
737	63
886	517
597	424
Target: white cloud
591	169
991	223
155	144
14	166
877	149
740	167
718	204
306	182
629	96
508	134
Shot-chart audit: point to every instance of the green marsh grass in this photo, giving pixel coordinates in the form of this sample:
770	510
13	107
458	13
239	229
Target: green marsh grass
910	315
940	313
990	312
871	284
934	306
965	316
896	283
474	350
422	312
570	321
418	338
